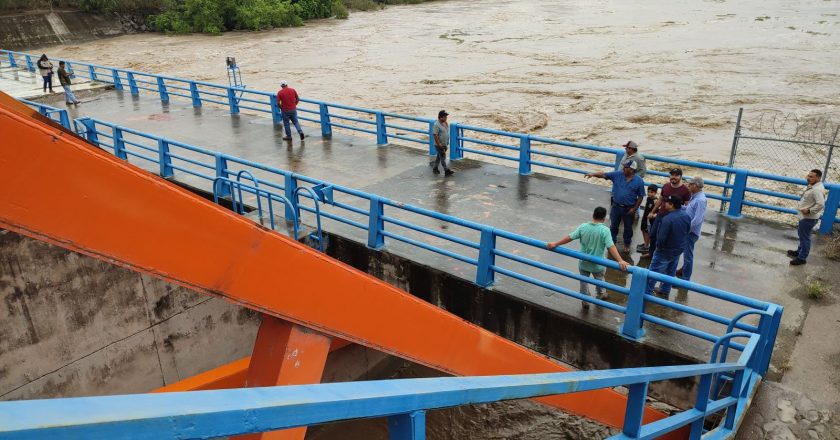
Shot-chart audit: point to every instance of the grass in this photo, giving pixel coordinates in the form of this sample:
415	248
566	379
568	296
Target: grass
816	289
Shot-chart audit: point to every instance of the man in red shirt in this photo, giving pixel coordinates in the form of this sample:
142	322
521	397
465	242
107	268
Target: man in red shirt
287	99
674	187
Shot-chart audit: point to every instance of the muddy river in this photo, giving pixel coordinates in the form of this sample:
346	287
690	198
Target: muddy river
669	74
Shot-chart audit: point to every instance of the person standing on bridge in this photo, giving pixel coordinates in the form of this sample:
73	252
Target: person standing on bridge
288	99
697	211
811	204
440	131
631	152
628	192
595	239
672	238
64	79
45	68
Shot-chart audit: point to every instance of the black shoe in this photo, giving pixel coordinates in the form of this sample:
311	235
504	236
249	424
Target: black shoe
301	136
435	170
797	262
793	253
449	172
287	138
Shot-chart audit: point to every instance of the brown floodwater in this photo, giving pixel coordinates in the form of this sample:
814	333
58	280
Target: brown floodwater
669	74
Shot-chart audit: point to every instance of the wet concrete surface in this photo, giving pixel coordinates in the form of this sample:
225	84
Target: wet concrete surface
744	256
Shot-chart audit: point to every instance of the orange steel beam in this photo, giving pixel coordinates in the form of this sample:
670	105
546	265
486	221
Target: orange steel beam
59	189
286	354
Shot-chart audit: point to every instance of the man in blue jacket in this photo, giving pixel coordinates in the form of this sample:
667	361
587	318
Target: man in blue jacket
671	240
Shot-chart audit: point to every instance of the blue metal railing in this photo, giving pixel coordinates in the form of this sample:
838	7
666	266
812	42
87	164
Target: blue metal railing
489	250
211	414
527	150
53	113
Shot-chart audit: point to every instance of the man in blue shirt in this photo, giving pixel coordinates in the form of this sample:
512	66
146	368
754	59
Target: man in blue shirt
627	194
671	240
697	211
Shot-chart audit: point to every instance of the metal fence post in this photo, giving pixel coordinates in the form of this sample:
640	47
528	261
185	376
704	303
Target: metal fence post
115	75
701	404
635	409
618	156
525	154
831	146
232	101
64	119
738	192
633	322
29	66
407	426
376	224
132	84
196	98
164	159
326	126
12	60
290	188
772	333
221	171
381	133
432	149
732	152
276	115
455	150
70	71
119	143
832	204
92	73
484	275
90	130
164	94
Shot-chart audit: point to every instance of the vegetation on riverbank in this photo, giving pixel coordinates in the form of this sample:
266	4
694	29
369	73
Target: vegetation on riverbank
213	16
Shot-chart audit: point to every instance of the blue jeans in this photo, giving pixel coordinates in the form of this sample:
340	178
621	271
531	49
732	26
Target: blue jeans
666	264
806	226
69	97
688	256
290	115
47	82
617	214
652	230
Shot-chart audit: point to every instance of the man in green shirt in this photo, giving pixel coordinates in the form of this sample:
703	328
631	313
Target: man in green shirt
595	239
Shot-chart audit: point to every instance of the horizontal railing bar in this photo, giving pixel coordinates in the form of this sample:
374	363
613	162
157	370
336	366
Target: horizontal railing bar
788	141
406	138
194	173
131	153
431	232
350	127
349	118
559	289
698	313
558	167
431	248
573	158
770	207
771	193
410	129
488	153
488	143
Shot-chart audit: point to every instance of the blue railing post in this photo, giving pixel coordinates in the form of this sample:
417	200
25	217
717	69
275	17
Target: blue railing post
12	60
119	143
222	171
70	70
115	76
164	94
773	330
484	275
90	130
455	150
376	224
832	204
618	156
634	410
132	84
29	66
164	159
291	192
525	154
64	119
701	404
737	385
326	126
381	133
92	73
432	149
739	189
407	426
232	101
276	116
196	98
633	322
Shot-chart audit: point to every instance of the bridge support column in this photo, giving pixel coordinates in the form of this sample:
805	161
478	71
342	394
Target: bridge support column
285	354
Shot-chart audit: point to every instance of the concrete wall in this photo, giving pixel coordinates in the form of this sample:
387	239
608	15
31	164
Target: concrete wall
28	30
71	325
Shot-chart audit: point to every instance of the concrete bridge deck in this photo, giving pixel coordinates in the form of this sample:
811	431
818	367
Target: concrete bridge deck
745	256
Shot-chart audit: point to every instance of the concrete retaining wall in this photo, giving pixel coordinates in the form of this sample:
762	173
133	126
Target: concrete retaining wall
29	30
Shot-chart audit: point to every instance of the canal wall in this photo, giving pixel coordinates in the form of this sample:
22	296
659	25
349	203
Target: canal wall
35	29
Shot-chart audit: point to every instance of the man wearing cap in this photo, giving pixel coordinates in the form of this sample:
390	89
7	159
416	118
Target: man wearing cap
671	236
674	187
631	152
628	191
811	204
440	132
288	99
696	210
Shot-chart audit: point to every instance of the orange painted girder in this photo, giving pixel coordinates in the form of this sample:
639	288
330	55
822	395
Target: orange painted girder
59	189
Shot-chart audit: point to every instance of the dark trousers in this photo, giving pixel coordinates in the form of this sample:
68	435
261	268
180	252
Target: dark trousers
440	158
619	214
47	82
804	230
654	228
290	116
